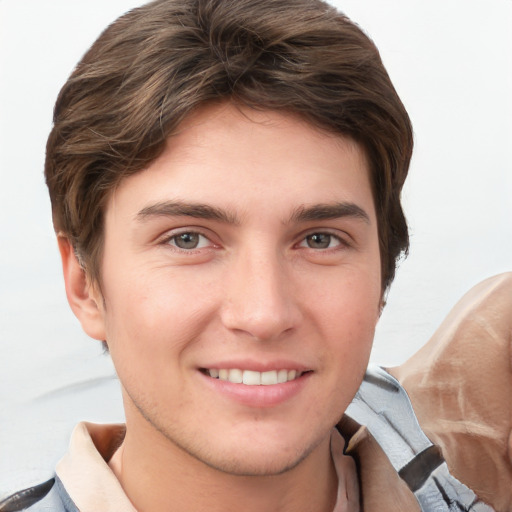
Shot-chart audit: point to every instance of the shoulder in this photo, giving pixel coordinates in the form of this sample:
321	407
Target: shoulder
459	384
456	390
49	495
415	466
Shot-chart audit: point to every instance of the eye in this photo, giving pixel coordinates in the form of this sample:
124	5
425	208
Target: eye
189	240
320	241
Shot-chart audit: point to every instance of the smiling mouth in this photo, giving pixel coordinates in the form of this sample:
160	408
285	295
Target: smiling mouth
253	378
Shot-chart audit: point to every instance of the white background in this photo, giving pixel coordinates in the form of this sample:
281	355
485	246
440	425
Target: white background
451	62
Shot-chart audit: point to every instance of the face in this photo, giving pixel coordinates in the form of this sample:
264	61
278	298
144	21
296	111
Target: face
241	288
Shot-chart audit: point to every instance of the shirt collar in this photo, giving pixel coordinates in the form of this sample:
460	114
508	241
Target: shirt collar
92	485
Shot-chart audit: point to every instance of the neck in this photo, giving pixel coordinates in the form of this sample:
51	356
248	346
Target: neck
144	462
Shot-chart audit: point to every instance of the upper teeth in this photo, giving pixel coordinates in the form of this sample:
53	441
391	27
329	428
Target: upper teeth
252	378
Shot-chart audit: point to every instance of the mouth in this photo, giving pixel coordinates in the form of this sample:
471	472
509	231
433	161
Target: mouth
253	378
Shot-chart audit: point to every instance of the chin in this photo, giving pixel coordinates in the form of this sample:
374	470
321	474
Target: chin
252	464
254	454
257	447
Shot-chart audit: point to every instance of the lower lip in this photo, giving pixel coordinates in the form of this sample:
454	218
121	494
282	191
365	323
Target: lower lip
258	396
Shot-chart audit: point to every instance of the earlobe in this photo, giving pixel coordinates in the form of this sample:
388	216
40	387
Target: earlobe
83	297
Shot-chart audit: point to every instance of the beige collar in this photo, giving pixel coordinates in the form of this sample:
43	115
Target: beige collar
92	485
86	476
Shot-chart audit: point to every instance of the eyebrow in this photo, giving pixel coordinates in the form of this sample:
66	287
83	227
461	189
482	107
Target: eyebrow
180	209
203	211
329	212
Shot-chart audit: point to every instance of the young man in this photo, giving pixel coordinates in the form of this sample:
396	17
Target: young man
225	180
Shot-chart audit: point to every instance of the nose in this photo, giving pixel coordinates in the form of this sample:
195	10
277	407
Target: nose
259	297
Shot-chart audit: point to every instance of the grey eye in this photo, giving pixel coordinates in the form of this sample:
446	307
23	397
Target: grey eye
187	240
319	240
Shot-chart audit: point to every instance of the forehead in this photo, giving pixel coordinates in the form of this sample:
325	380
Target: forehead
245	157
258	133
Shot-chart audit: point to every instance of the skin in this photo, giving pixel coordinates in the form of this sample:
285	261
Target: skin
265	287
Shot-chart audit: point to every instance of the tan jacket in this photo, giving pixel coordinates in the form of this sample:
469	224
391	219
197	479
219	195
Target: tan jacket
460	385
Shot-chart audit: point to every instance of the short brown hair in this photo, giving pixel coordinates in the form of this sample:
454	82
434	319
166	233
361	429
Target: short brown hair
156	64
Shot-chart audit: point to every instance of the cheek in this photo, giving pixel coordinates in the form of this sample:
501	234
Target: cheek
347	316
352	300
352	320
154	313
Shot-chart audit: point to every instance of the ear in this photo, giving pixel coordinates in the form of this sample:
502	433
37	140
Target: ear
84	298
